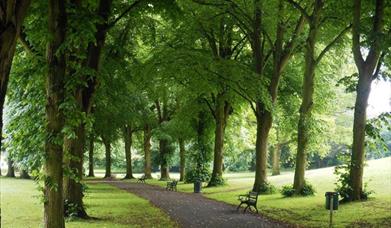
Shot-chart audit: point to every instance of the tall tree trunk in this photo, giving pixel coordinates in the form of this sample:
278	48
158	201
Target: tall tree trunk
220	119
24	174
264	122
305	115
358	157
368	70
53	171
12	18
11	169
108	157
281	55
128	152
164	156
276	159
258	61
147	152
73	189
91	158
182	160
307	98
84	97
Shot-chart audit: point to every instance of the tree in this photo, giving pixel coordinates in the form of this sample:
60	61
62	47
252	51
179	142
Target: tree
315	20
12	13
53	171
368	69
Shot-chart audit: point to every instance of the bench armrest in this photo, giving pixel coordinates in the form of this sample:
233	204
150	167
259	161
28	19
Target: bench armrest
243	197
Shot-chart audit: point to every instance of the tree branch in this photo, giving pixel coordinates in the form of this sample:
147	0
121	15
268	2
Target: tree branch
378	26
133	5
301	9
378	67
289	47
27	45
332	43
210	107
356	35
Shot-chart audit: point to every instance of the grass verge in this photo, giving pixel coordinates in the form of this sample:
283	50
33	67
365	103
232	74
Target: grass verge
112	207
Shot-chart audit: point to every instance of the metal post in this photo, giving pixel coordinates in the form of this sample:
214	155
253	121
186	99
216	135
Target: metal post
331	211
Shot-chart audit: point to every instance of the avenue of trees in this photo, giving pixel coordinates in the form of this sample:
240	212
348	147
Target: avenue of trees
193	86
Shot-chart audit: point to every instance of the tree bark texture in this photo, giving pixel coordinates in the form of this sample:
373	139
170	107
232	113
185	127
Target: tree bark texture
53	188
164	151
264	122
11	168
107	144
276	159
128	151
182	159
91	158
221	114
147	152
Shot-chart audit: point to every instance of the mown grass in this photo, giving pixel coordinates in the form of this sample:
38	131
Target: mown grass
310	211
110	207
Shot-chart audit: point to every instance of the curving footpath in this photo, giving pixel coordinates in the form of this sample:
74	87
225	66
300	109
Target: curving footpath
193	210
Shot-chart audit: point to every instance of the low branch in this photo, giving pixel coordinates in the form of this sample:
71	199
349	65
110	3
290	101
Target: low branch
210	107
133	5
378	67
301	9
332	43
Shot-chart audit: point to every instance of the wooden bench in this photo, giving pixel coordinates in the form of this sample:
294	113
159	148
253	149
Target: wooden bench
250	200
171	185
141	179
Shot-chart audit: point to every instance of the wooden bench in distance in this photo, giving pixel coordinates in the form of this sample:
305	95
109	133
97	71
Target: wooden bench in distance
141	179
250	200
171	185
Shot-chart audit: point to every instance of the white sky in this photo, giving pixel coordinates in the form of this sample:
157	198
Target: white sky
379	98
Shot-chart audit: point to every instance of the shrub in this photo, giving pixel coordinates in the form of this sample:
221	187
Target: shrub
289	191
267	188
343	184
216	181
201	174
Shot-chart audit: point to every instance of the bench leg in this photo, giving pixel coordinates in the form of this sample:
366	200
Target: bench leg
245	209
238	208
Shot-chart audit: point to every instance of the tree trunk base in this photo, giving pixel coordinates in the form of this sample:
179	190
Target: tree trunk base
216	181
129	177
24	175
79	213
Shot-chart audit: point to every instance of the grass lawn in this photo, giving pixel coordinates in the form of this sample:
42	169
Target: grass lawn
310	211
21	207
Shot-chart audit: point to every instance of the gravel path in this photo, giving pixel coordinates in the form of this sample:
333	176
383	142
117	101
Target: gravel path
194	210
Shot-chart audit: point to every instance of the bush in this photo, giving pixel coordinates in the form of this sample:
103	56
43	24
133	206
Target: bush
201	174
216	181
343	184
267	188
289	191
